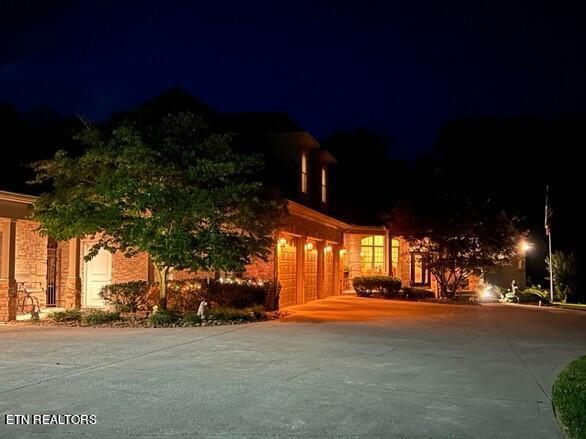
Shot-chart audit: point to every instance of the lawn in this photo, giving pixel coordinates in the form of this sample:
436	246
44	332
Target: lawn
569	398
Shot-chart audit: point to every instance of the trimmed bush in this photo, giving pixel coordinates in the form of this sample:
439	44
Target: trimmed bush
127	296
237	295
98	317
185	295
569	398
385	286
418	293
71	315
533	295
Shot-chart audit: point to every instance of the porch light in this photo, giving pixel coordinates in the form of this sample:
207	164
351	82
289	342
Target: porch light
327	248
282	242
309	246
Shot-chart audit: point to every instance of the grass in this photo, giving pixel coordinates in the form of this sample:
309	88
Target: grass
569	398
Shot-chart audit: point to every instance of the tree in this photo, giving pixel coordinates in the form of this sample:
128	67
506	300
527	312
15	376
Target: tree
567	276
455	233
172	189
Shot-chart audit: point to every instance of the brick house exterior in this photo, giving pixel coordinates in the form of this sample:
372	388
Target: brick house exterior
315	255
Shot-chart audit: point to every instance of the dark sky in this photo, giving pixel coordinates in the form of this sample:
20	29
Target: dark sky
404	67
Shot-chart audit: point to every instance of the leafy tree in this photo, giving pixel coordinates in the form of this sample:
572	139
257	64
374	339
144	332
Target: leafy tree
172	189
455	233
567	276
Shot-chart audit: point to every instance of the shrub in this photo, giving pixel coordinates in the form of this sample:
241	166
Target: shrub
569	398
532	295
185	295
164	317
98	317
192	319
229	314
71	315
127	296
418	293
385	286
237	295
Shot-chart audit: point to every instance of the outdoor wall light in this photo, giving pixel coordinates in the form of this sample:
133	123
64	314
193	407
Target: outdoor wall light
282	242
309	246
327	248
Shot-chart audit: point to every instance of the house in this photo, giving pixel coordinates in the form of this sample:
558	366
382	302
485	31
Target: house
316	255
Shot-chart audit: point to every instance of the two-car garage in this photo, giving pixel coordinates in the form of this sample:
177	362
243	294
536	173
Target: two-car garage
307	269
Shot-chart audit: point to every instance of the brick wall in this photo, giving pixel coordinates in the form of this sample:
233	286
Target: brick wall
31	259
126	269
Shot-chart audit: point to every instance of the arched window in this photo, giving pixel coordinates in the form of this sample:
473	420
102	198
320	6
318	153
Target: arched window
372	254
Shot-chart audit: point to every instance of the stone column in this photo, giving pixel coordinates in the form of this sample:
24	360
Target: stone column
8	292
72	293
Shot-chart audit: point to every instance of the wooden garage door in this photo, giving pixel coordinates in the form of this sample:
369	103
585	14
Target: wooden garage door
329	273
310	274
288	273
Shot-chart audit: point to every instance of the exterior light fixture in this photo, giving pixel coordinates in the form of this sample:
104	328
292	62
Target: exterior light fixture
525	246
342	251
282	242
327	248
309	246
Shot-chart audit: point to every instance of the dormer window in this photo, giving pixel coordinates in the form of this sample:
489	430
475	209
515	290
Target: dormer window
304	173
324	185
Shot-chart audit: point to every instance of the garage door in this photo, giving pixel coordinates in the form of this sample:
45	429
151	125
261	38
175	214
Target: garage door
328	272
287	270
310	274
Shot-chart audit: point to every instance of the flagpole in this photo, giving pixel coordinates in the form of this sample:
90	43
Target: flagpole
550	268
548	232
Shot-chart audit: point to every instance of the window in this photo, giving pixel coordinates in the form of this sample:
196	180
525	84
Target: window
372	255
324	185
395	257
304	172
419	272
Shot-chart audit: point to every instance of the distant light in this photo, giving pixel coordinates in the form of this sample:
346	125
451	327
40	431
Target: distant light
526	246
342	251
309	246
282	242
327	248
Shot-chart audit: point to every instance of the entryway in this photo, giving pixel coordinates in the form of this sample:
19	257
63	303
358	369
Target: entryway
97	274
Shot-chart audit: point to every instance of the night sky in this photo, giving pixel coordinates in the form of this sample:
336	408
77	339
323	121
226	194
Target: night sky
403	68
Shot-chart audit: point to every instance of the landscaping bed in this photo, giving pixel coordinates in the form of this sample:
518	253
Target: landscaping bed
569	399
159	319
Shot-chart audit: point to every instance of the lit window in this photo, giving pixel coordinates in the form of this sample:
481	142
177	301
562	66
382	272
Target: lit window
395	257
304	172
419	272
324	185
372	253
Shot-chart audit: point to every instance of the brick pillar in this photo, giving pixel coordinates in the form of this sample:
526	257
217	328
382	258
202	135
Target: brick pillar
72	293
336	267
320	269
8	298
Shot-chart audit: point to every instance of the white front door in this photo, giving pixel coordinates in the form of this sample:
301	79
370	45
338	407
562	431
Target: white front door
98	272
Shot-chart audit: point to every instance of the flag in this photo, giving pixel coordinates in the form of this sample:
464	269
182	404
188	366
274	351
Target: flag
548	212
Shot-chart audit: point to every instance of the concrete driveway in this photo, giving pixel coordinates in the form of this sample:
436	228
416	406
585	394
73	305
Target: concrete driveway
342	367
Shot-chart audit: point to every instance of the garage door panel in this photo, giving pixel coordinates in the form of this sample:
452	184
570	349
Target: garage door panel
287	272
310	275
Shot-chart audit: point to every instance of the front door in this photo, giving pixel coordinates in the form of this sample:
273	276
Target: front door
98	273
